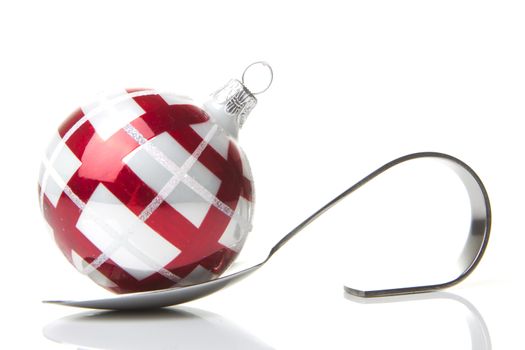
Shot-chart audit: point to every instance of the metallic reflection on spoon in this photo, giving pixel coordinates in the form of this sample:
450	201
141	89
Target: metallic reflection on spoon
479	333
184	328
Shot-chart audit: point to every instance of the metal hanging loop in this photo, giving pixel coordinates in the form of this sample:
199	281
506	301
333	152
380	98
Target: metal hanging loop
264	65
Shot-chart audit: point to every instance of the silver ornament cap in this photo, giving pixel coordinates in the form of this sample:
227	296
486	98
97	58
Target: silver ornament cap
231	104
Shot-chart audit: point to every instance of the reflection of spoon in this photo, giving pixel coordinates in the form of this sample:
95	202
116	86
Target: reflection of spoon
472	253
184	328
479	332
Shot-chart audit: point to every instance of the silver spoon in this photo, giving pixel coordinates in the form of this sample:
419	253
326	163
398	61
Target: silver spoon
471	255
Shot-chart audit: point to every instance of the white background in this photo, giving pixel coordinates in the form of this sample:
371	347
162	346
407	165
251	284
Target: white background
356	84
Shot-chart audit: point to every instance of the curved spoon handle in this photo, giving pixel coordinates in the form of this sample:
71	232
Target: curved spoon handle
479	228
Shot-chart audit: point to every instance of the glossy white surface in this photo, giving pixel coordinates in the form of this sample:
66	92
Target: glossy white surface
370	82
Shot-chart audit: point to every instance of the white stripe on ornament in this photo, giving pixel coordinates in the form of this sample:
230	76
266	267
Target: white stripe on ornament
65	164
96	276
113	116
55	176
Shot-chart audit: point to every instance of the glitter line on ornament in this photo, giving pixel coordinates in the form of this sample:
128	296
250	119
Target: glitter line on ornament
196	187
166	190
92	215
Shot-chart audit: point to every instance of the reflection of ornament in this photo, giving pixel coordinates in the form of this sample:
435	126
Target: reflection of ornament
145	190
183	328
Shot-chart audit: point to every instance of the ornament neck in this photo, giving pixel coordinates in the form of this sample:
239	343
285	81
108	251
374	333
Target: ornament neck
230	106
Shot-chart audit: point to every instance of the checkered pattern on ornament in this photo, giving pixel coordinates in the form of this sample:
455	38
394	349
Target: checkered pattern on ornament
143	192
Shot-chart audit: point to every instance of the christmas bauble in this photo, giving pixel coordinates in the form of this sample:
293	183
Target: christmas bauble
146	190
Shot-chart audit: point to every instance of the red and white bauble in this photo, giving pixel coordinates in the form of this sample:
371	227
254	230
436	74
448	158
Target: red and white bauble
146	190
